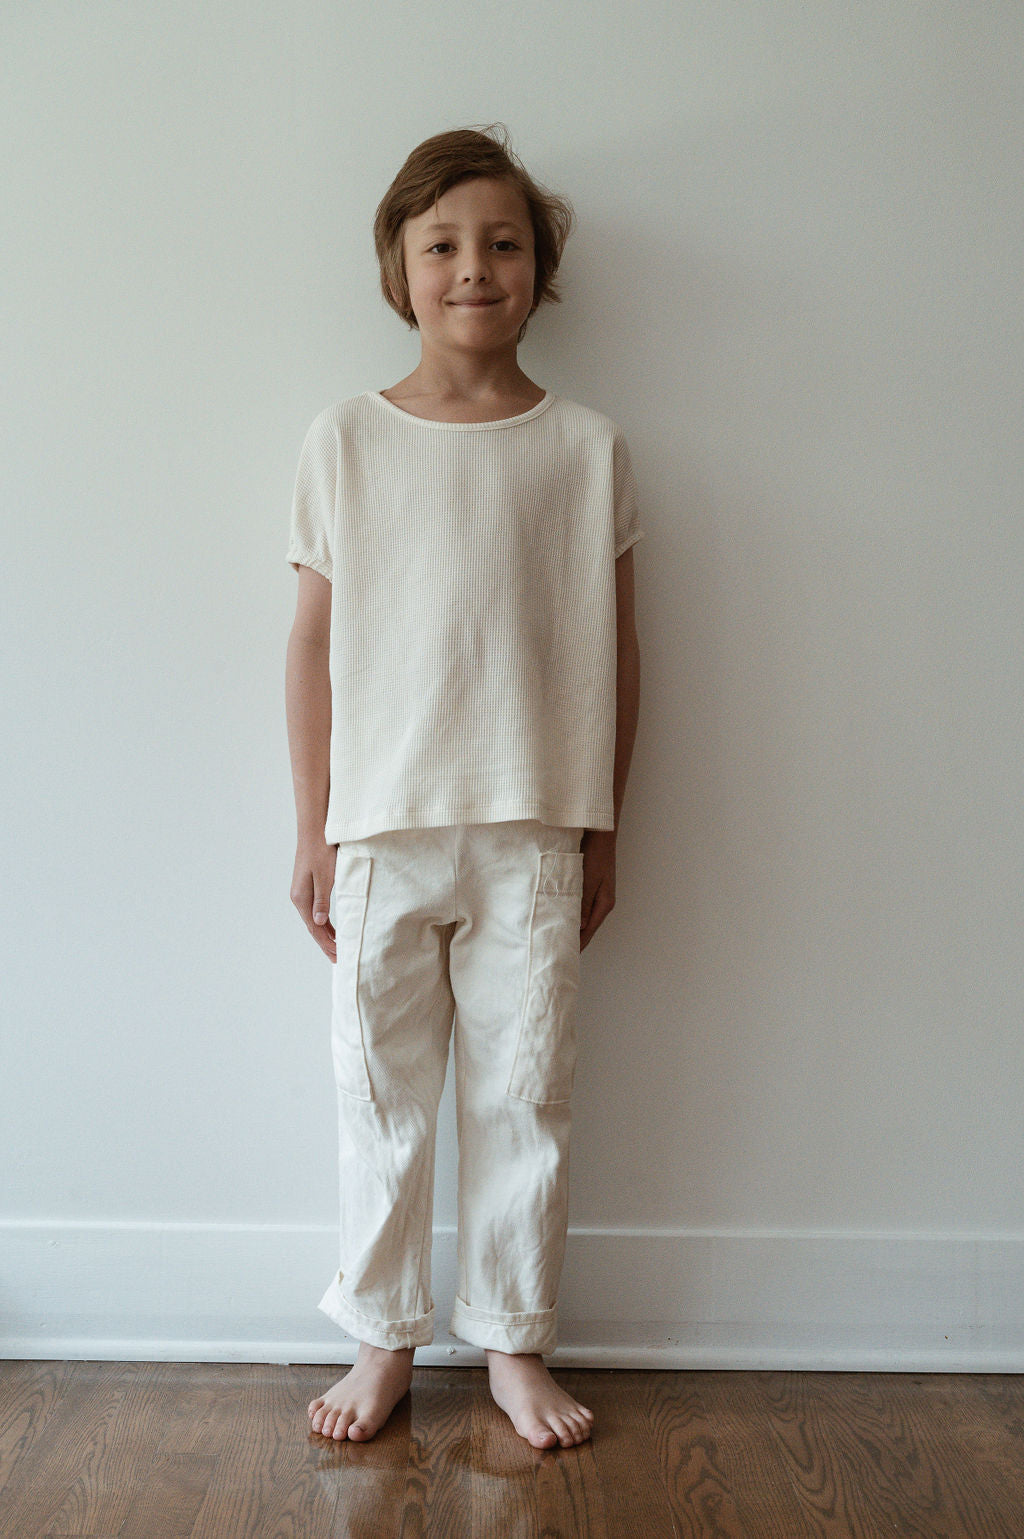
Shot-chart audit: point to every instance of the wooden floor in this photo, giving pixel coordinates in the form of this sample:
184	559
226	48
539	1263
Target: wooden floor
225	1451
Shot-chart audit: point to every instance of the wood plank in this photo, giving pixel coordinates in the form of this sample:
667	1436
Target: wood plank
689	1456
751	1464
29	1393
53	1485
636	1498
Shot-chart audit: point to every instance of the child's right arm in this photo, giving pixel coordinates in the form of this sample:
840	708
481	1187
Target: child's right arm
308	706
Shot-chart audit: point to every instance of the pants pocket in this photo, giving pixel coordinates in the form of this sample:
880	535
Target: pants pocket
545	1056
349	899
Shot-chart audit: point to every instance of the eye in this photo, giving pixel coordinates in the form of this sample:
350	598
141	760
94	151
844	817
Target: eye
504	241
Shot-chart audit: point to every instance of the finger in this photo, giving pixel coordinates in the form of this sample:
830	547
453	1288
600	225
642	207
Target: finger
323	885
316	914
324	936
325	939
598	914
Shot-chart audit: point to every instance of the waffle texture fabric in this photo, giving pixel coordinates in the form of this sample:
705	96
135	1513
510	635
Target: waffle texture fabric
473	630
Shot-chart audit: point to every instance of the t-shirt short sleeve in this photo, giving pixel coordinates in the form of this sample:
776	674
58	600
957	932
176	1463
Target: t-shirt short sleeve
627	510
311	536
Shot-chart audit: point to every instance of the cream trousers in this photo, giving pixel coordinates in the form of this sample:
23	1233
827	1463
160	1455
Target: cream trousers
474	925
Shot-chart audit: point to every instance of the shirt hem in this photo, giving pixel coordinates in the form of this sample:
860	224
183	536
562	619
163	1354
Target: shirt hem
296	558
632	539
337	830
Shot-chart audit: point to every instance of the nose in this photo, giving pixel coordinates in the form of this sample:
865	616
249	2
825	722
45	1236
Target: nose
477	266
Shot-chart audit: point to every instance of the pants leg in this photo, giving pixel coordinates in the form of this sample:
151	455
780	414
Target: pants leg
392	1012
478	923
514	965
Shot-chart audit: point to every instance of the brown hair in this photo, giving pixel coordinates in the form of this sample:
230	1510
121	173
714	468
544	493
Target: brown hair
441	162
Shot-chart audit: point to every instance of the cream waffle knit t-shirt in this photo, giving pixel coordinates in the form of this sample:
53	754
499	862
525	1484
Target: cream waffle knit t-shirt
473	633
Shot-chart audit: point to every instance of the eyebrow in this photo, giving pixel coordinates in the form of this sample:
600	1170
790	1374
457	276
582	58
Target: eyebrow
496	224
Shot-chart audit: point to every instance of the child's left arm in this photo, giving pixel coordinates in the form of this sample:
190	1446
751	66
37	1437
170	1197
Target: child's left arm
598	844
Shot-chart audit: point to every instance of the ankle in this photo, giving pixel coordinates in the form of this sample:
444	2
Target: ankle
393	1354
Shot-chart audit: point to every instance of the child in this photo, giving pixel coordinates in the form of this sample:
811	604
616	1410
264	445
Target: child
462	688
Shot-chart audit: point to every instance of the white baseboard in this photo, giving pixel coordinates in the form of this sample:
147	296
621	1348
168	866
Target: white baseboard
742	1299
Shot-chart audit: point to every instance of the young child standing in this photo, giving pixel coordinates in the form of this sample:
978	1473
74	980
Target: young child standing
462	696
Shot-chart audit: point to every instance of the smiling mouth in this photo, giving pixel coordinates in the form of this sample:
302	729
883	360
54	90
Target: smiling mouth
475	304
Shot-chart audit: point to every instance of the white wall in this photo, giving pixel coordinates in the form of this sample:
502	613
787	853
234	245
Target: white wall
796	284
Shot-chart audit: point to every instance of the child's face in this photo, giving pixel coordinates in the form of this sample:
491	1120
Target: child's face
484	252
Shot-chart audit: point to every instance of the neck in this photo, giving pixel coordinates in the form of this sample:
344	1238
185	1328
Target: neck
444	377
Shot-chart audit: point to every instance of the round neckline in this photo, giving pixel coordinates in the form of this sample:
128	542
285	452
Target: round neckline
433	422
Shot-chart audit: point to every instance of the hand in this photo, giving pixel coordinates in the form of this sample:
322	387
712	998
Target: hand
312	881
598	846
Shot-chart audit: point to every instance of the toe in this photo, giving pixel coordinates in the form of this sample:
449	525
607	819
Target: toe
541	1435
565	1432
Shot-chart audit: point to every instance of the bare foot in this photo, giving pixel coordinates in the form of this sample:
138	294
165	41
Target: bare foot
540	1411
361	1402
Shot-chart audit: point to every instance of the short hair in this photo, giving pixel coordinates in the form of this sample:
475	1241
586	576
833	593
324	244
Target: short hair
459	155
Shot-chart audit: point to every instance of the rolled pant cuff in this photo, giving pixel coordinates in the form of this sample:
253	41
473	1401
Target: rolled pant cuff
417	1331
537	1332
